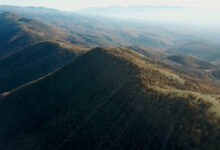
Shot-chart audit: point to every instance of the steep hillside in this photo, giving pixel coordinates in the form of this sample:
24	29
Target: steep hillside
33	62
183	65
110	99
190	62
202	49
17	32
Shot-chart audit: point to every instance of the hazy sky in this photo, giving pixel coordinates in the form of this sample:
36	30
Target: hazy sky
77	4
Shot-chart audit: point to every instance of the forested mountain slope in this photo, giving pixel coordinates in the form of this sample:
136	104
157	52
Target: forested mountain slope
110	98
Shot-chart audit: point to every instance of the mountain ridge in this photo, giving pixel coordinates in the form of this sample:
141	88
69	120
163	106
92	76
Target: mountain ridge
89	101
18	32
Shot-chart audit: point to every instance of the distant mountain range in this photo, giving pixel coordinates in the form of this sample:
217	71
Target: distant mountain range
141	8
101	31
159	14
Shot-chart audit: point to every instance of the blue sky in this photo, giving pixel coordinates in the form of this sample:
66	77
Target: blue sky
77	4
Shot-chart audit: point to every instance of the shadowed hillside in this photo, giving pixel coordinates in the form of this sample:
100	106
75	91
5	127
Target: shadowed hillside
110	99
33	62
216	74
29	50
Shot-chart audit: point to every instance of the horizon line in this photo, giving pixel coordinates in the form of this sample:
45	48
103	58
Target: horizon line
156	6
